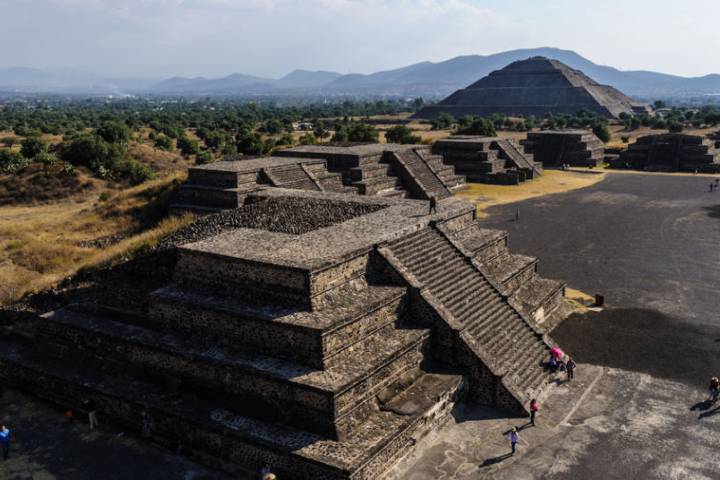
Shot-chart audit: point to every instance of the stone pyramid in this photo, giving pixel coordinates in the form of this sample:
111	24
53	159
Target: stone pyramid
535	86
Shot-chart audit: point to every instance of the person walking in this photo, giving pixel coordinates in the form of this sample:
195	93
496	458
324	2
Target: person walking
714	389
5	441
514	438
533	411
570	368
92	413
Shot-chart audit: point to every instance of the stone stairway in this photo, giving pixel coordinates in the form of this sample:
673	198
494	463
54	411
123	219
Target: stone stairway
291	176
516	274
445	172
415	171
519	159
489	326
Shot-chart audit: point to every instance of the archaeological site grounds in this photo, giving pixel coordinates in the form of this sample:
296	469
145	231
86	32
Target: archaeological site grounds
346	310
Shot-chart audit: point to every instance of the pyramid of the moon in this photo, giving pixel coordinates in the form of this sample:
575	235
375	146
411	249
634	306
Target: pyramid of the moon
536	86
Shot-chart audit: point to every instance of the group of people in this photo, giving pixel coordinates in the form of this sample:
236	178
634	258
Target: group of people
559	361
514	433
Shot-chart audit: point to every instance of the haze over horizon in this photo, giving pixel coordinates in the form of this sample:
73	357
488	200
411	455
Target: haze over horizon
213	38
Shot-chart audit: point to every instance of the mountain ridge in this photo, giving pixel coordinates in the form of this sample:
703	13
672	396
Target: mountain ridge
428	79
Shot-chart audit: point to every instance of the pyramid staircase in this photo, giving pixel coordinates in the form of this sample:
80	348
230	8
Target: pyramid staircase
495	340
580	148
671	152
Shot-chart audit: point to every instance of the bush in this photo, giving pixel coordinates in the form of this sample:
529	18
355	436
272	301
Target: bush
442	121
401	134
675	127
204	157
356	132
46	158
93	152
601	131
114	132
308	139
32	147
479	126
251	144
163	142
135	172
188	146
11	161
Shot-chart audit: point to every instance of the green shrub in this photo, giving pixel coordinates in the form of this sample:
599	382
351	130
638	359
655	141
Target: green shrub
401	134
11	161
166	143
204	157
32	147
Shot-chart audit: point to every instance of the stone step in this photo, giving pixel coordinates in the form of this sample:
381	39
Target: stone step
277	331
364	172
430	183
212	196
330	402
215	432
372	186
397	192
512	270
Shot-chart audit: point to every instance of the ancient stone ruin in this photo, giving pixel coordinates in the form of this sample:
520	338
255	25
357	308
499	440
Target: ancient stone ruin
487	159
579	148
386	170
671	152
321	332
715	137
536	86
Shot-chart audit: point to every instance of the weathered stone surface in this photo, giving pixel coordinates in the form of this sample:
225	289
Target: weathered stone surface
670	152
536	86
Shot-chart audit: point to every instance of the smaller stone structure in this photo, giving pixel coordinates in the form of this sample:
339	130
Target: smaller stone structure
674	152
715	137
578	148
487	159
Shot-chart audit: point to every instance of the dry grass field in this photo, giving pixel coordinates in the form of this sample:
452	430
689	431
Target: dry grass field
551	182
42	244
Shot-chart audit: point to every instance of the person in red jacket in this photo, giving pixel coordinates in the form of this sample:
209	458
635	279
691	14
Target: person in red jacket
533	410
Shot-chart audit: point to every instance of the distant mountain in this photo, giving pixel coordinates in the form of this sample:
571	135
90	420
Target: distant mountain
427	79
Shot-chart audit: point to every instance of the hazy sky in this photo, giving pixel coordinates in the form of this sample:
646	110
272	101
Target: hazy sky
159	38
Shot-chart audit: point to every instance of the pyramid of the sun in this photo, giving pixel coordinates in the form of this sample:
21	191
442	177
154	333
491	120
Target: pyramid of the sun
536	86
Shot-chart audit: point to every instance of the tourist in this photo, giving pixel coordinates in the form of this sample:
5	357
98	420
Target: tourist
265	472
553	364
514	438
570	368
712	185
714	389
433	205
533	410
92	413
5	441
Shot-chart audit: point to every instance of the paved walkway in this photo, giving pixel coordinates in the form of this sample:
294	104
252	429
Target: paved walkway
45	447
607	424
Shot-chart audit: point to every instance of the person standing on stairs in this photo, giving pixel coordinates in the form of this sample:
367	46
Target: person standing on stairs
433	205
514	438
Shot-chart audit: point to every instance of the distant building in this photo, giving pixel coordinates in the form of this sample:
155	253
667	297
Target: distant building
536	86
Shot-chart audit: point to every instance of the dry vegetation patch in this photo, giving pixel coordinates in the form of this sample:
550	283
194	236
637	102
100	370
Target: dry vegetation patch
43	244
551	182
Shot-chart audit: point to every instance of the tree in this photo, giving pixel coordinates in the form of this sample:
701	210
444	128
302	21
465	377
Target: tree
204	157
188	146
401	134
93	152
32	147
251	144
308	139
675	126
11	161
163	142
442	121
356	132
601	131
479	126
114	132
658	104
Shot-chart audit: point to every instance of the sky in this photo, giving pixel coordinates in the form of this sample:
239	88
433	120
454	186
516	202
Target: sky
269	38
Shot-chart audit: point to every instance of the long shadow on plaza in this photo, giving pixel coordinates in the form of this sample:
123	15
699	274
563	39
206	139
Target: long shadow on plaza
645	341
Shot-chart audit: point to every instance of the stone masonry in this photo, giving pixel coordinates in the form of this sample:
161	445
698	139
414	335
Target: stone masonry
578	148
487	159
673	152
321	332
